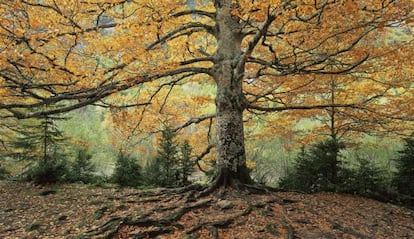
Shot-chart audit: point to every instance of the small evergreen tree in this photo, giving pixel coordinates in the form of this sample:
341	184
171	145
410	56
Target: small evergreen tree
316	170
51	171
186	164
173	165
24	147
299	178
44	144
153	172
163	170
40	141
404	178
320	169
326	157
167	157
82	168
127	171
368	179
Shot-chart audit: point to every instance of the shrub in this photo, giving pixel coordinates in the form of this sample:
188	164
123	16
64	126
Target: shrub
404	178
316	169
82	169
320	169
367	179
297	179
127	171
153	173
3	173
48	172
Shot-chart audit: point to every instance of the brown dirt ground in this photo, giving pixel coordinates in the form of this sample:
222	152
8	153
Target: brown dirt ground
81	211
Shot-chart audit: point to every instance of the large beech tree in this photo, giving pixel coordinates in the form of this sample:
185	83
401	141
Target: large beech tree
262	56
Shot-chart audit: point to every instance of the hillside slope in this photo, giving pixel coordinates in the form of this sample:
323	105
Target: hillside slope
81	211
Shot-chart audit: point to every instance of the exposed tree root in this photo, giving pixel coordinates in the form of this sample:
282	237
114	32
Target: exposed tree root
221	183
176	212
219	223
152	233
168	219
289	228
184	215
165	192
157	226
173	204
106	230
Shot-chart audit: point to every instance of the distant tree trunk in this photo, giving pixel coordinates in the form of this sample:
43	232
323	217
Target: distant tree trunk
45	143
230	103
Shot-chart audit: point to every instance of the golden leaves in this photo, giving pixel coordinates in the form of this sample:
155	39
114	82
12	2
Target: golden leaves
104	43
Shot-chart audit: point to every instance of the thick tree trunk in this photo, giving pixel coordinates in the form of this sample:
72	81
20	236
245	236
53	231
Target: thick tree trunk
230	104
231	156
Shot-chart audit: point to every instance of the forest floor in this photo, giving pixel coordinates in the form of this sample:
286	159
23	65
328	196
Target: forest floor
83	211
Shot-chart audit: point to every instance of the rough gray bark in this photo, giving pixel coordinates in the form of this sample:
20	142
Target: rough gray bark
230	103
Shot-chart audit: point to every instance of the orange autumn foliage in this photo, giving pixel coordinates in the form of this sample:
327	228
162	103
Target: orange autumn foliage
153	62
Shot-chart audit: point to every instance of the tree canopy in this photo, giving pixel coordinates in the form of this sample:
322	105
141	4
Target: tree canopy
351	60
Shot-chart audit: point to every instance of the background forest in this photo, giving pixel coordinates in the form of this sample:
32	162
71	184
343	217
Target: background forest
84	146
